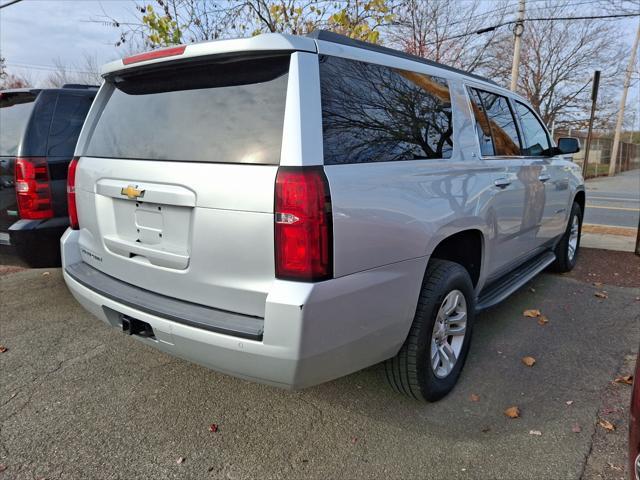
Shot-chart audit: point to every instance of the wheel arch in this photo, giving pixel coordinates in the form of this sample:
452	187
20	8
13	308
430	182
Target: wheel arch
465	247
581	199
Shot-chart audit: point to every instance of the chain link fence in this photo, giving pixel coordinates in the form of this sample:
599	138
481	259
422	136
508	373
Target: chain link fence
600	153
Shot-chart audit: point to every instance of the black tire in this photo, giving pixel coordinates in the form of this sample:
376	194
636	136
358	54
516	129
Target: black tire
410	371
564	260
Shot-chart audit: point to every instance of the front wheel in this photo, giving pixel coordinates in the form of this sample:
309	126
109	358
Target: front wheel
428	365
567	249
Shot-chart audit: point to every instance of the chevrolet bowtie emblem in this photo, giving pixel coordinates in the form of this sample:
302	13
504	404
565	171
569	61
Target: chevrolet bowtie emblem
132	192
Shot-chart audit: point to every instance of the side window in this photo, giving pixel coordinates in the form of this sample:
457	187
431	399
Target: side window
68	118
501	122
482	125
535	142
372	113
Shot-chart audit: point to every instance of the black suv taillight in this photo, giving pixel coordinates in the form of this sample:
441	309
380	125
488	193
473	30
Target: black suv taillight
33	188
303	225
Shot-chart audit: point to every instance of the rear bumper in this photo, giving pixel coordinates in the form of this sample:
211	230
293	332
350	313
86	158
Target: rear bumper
312	332
38	241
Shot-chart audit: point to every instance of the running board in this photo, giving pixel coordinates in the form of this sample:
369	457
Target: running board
502	288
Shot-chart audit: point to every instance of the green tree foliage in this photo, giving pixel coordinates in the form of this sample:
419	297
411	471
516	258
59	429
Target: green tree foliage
169	22
163	29
362	19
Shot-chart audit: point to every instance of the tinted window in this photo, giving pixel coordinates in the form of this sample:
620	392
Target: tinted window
372	113
501	123
14	115
535	140
229	112
482	125
71	110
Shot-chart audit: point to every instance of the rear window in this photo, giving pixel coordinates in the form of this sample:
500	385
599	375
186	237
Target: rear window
14	115
224	111
373	113
71	110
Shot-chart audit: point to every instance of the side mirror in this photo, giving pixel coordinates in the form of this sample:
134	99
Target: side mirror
567	145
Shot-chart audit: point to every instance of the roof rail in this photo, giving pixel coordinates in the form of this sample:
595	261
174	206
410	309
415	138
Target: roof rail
79	86
328	36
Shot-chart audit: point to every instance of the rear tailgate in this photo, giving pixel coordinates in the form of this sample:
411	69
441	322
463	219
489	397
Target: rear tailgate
175	186
15	109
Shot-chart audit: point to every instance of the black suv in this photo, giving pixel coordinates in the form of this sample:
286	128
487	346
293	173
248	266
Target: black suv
38	133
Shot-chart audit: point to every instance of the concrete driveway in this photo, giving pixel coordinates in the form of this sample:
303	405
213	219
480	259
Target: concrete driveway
82	401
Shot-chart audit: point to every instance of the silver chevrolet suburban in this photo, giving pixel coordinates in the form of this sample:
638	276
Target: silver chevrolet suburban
293	209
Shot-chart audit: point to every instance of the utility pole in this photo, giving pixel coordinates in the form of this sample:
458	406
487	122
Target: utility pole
623	101
594	98
518	30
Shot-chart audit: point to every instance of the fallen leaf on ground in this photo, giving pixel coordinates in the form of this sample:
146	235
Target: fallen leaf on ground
576	428
542	320
474	398
626	379
535	432
3	349
614	467
601	294
597	284
533	313
529	361
180	460
512	412
354	440
46	274
607	425
569	402
213	427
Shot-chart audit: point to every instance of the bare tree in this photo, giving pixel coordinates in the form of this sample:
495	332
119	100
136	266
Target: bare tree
86	72
166	22
444	31
557	62
12	80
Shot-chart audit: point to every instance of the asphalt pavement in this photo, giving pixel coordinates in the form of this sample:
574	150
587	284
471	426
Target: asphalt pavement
614	200
79	400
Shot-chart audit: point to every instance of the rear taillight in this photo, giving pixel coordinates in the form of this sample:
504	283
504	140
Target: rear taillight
303	233
33	189
71	194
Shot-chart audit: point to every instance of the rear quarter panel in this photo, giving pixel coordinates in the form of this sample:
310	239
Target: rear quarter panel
388	212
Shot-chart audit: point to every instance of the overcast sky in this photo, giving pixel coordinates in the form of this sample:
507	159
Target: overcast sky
33	33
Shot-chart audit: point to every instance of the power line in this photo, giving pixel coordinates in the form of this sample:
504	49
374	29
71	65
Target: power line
586	17
11	2
511	22
49	68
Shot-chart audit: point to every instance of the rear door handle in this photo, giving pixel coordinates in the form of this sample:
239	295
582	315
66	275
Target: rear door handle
502	182
544	177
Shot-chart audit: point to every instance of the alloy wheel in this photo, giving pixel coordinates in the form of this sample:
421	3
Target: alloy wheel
448	333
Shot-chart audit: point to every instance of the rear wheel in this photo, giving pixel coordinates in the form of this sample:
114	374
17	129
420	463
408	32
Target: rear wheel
429	363
567	249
